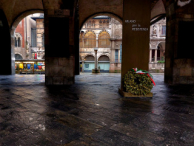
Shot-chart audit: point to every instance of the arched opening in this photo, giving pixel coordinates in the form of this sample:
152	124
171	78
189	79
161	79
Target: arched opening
89	63
28	35
104	32
104	63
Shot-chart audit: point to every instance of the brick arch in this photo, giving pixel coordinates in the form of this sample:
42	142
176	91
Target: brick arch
118	18
21	16
18	19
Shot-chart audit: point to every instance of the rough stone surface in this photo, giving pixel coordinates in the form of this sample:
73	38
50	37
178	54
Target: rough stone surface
92	113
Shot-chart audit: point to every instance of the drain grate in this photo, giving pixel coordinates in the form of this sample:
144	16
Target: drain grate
184	110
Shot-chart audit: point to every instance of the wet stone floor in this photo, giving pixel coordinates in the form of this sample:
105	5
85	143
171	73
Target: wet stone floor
92	113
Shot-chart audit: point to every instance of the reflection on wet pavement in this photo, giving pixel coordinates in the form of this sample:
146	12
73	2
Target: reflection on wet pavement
92	113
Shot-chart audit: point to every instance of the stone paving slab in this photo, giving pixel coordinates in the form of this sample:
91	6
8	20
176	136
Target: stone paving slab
92	113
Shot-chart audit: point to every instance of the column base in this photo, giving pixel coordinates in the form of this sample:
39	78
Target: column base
126	94
95	71
59	80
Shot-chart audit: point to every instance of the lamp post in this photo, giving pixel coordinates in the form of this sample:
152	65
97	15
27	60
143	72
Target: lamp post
96	70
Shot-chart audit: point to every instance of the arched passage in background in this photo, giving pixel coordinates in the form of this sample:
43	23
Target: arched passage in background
25	35
89	63
104	63
107	29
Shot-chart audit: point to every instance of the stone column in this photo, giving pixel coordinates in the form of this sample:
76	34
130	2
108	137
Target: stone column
7	44
150	55
155	60
59	47
96	60
179	58
136	29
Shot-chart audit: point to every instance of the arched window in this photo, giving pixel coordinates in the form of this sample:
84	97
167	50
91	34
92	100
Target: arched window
19	42
18	57
90	40
16	42
104	40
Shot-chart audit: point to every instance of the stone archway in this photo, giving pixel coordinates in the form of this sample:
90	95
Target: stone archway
108	39
13	28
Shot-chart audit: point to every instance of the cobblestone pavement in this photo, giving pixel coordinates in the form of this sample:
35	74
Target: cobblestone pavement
92	113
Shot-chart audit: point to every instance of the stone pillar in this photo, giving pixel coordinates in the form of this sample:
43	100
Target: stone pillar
96	70
59	47
155	59
136	29
76	43
8	57
96	60
150	55
179	58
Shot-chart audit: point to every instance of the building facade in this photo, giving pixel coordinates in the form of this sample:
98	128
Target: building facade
37	38
29	38
105	33
23	38
157	46
29	45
